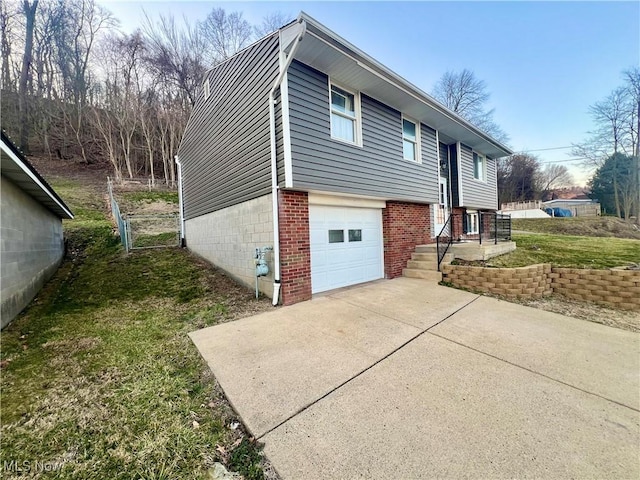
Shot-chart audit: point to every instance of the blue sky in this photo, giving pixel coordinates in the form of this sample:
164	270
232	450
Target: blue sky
543	62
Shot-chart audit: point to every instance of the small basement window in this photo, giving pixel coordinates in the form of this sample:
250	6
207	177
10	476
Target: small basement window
472	223
355	235
336	236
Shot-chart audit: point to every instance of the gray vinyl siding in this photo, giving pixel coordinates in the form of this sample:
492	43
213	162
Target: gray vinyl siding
477	193
377	169
225	150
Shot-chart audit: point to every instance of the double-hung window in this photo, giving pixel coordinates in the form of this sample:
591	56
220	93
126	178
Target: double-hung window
479	167
410	140
472	223
345	115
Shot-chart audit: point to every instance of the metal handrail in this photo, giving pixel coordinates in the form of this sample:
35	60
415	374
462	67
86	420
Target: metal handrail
442	246
492	227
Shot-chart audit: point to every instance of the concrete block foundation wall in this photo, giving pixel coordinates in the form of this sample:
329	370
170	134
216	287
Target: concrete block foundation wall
228	239
617	288
32	249
295	247
404	225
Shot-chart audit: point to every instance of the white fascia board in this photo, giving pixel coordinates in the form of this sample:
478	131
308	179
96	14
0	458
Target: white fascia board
34	179
459	161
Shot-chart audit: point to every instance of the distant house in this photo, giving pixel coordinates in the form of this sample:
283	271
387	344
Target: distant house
577	206
304	143
30	231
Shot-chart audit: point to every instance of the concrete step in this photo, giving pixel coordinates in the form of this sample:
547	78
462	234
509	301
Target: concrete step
424	274
423	264
427	257
423	257
429	248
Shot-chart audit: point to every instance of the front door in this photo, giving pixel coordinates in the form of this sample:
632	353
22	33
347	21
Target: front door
442	209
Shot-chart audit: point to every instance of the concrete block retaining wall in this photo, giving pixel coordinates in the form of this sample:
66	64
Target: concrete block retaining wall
617	288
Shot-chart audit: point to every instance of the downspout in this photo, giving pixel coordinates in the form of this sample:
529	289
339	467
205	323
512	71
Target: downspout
274	166
180	200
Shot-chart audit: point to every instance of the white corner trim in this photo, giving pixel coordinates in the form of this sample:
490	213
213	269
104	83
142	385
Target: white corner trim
344	201
459	162
286	132
438	160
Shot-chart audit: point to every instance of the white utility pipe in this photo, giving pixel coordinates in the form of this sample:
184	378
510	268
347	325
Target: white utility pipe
180	200
274	167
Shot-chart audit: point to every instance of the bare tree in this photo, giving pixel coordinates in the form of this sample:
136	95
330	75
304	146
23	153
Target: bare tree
467	96
6	23
616	119
29	11
518	178
176	54
225	33
632	77
553	176
270	23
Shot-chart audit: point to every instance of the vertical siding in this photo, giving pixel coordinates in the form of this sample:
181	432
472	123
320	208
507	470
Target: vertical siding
225	150
444	160
453	178
377	169
477	193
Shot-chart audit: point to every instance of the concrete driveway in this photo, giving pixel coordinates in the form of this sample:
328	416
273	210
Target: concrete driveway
407	379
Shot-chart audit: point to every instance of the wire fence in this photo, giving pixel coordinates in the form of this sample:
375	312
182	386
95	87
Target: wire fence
152	231
115	211
139	231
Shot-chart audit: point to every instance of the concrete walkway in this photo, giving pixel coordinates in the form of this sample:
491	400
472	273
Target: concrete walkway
407	379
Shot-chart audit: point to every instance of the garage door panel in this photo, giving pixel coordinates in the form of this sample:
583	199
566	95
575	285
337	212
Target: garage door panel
339	264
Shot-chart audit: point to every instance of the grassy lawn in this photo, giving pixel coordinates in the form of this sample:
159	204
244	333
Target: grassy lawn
581	226
99	375
570	251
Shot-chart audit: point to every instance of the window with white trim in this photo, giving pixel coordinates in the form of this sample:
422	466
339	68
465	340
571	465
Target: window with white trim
410	140
479	167
207	89
345	115
472	223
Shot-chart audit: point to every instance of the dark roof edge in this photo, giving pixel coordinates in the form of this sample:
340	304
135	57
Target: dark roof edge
18	153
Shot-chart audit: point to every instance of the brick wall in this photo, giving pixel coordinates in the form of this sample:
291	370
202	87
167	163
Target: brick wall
617	288
295	247
457	227
404	225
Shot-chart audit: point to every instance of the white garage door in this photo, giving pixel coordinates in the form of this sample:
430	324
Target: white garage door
346	246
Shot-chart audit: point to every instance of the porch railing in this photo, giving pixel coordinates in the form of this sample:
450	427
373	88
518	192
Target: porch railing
492	228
